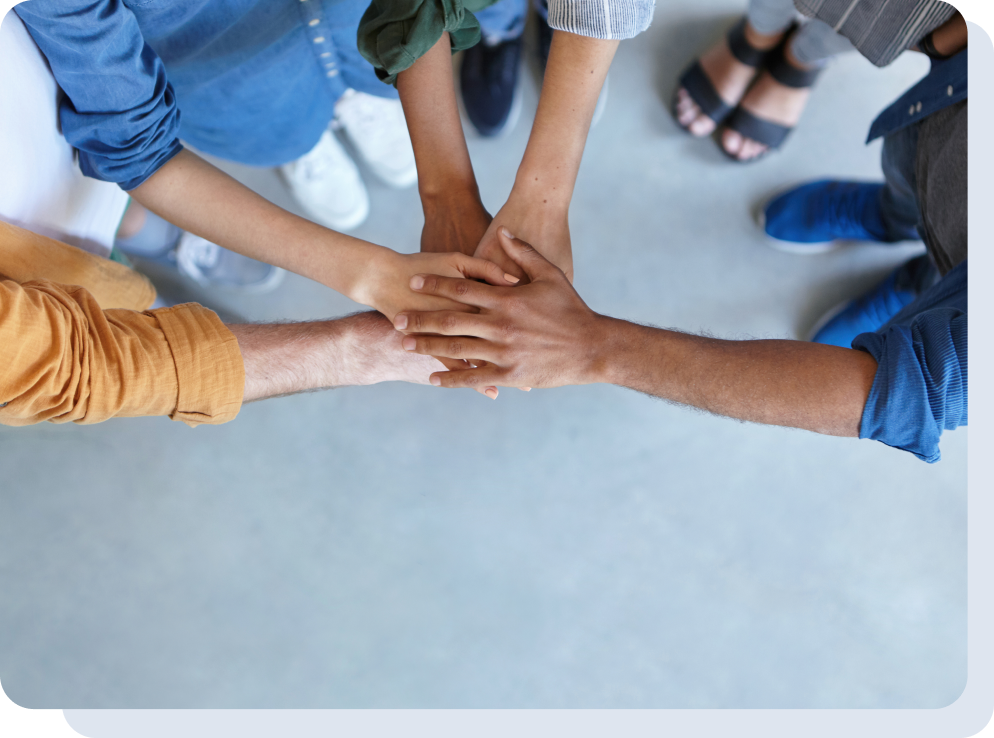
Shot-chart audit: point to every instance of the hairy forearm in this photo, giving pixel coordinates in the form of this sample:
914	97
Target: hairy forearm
574	76
427	93
361	349
775	382
201	199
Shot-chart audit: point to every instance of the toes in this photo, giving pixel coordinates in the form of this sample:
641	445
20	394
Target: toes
690	116
702	126
751	150
731	142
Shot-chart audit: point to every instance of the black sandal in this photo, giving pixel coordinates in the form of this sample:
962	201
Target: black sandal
701	89
770	134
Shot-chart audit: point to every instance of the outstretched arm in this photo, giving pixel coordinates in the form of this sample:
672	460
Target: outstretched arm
543	335
538	207
455	219
202	199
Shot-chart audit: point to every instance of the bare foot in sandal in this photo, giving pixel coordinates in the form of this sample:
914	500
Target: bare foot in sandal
770	109
729	67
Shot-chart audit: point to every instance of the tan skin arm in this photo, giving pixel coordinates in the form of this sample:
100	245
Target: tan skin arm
201	199
541	334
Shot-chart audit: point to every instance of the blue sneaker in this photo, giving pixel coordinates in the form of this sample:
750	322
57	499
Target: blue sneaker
839	326
813	218
488	80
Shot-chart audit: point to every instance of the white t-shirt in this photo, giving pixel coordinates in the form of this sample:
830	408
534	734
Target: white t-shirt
41	187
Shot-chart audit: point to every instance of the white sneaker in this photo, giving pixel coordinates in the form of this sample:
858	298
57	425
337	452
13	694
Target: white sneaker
377	128
326	183
209	265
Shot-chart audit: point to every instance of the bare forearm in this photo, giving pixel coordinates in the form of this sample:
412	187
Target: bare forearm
775	382
427	93
202	199
361	349
574	76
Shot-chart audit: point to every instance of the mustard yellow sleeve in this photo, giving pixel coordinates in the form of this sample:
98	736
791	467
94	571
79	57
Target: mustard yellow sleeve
65	359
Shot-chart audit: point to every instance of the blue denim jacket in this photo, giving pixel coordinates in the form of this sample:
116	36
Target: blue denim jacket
920	387
254	81
921	384
944	85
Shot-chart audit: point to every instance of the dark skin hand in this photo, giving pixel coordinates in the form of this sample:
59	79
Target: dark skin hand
542	334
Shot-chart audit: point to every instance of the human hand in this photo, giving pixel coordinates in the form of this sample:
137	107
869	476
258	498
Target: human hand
539	334
455	224
385	282
537	217
370	352
387	288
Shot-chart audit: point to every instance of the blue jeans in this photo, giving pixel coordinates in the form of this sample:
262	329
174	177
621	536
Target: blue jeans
505	19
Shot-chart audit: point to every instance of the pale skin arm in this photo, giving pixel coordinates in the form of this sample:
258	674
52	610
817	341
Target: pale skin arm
201	199
538	206
542	334
362	349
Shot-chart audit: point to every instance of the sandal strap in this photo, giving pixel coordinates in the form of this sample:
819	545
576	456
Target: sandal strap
762	131
741	48
786	73
699	87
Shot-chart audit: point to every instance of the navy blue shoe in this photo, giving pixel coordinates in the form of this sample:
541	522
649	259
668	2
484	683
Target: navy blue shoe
488	81
839	326
812	218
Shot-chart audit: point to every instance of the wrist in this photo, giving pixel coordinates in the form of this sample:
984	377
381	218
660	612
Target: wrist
605	349
539	189
363	284
438	193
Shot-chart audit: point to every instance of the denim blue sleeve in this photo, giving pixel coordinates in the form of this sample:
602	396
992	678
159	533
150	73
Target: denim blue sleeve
118	110
920	388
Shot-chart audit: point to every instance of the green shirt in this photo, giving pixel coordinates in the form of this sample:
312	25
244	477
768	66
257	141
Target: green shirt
393	34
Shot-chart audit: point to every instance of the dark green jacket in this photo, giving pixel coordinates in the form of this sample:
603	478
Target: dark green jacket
393	34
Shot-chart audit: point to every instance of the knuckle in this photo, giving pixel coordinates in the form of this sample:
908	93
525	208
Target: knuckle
448	323
455	348
463	286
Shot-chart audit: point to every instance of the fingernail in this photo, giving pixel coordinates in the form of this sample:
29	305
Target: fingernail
417	282
400	322
509	277
409	343
506	232
527	389
491	393
437	381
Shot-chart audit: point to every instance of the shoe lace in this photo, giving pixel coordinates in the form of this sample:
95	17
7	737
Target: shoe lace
846	211
324	157
373	123
201	252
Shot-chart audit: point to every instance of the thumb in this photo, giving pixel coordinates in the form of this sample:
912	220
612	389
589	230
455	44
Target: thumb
524	255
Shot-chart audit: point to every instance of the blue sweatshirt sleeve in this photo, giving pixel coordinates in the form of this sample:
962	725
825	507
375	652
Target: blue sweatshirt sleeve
920	388
117	110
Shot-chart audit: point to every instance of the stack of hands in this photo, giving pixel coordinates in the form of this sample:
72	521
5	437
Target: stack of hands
524	327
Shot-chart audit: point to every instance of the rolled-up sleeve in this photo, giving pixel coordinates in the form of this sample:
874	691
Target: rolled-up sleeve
67	360
603	19
393	34
118	110
920	388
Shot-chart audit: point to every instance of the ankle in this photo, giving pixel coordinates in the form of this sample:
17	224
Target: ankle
792	59
762	41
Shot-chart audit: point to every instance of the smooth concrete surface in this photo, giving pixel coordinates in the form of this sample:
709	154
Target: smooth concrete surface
406	546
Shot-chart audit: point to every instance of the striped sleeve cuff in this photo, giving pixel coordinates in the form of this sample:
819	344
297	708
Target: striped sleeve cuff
603	19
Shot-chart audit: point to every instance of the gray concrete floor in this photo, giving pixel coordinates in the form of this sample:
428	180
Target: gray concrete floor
404	546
